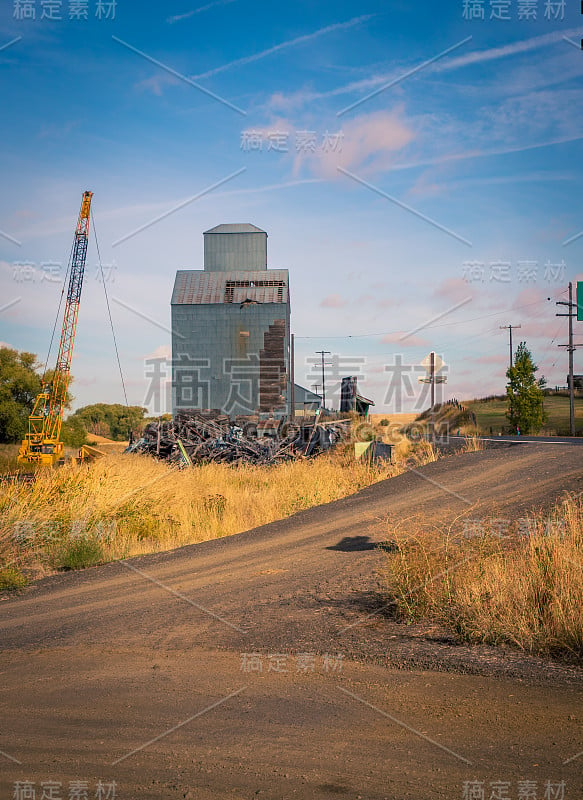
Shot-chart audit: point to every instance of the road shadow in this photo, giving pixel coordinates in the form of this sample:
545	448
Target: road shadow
353	544
378	605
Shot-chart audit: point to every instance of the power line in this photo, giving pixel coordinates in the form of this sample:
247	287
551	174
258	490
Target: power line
109	313
429	327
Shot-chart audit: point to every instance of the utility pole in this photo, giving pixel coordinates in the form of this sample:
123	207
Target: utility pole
510	328
315	387
432	377
292	378
323	353
571	349
433	364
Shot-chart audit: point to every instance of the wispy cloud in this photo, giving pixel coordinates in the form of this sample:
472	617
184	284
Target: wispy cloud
130	214
485	152
512	49
298	40
177	75
406	207
195	11
409	73
280	101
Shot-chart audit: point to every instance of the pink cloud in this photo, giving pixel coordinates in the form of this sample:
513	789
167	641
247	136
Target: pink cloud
333	301
386	303
162	351
531	302
453	289
541	329
497	359
85	382
367	145
409	341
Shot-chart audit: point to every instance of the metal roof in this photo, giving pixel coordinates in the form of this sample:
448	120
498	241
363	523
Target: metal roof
304	395
236	227
364	400
196	287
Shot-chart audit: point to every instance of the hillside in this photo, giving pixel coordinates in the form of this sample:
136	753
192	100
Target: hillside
491	415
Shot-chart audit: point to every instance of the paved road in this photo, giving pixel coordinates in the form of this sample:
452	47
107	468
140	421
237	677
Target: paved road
575	441
147	673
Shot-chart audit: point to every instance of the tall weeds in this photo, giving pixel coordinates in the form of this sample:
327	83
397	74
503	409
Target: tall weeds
123	505
524	587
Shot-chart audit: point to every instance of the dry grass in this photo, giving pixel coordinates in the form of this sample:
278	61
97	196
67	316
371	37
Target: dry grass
524	587
473	444
8	454
122	506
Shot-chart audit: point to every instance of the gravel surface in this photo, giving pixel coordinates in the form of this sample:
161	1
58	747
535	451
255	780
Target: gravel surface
160	655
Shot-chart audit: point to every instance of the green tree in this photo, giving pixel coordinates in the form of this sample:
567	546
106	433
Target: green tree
19	386
525	393
20	383
112	420
73	434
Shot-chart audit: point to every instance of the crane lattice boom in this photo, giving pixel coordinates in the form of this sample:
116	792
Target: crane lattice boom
42	443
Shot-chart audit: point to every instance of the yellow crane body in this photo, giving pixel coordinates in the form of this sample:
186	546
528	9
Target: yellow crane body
42	444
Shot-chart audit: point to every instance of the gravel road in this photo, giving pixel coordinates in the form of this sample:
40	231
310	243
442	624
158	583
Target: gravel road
262	664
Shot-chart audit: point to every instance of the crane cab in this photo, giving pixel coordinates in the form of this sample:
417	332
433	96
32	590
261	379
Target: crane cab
43	454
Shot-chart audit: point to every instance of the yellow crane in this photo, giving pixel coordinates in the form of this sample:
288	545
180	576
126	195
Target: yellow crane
42	444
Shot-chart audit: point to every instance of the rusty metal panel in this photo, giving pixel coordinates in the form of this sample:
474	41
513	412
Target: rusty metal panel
272	367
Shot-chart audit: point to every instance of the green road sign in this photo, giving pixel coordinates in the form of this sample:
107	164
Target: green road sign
580	301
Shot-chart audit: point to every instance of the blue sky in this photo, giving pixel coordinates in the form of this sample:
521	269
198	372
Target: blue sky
418	172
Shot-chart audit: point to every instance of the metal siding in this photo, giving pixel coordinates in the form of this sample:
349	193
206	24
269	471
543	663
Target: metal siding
195	287
235	251
213	332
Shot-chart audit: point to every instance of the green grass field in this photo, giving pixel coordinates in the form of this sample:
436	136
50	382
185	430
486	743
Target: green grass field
491	414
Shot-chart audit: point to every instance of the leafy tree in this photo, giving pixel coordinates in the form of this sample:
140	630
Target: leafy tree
111	420
525	393
73	433
20	383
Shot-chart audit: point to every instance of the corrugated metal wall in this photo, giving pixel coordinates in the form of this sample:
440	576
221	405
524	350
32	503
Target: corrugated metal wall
227	357
224	252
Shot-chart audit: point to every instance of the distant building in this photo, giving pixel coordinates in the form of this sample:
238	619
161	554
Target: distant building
231	328
306	402
351	400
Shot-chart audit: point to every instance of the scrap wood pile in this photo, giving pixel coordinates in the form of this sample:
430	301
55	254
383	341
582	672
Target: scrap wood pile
197	438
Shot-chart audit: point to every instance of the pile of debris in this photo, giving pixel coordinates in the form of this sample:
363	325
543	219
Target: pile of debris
198	438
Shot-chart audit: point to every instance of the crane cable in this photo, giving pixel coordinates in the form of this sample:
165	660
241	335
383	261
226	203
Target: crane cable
109	312
46	364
